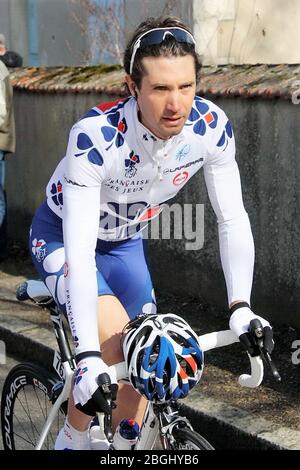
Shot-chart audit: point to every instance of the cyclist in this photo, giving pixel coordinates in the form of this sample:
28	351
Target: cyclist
86	237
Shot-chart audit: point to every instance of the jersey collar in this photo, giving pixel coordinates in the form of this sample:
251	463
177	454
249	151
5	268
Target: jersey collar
147	139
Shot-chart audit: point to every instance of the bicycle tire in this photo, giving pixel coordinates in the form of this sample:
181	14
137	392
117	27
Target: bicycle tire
186	438
25	403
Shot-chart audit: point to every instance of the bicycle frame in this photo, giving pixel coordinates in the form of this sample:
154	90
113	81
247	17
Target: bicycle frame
157	418
64	395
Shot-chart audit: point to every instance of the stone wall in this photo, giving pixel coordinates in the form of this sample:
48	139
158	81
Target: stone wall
268	147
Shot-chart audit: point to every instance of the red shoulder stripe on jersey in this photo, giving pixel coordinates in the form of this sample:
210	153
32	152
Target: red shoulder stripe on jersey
111	104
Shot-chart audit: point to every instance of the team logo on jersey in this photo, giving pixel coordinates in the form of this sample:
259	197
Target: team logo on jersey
130	165
180	178
39	249
114	133
200	117
79	374
226	135
183	152
84	143
57	194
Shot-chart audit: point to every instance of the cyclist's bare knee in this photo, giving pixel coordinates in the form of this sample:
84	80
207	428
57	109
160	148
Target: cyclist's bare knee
111	319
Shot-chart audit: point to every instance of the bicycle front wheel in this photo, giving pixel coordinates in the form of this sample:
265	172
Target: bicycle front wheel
25	405
186	438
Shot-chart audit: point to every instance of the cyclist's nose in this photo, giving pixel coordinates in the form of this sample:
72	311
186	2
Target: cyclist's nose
173	102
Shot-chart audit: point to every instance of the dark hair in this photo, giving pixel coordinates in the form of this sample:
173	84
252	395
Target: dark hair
169	47
12	59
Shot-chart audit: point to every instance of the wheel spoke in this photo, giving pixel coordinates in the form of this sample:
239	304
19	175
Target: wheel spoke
24	430
23	439
26	390
186	438
20	402
31	422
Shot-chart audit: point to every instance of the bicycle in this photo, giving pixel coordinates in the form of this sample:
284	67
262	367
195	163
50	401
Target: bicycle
34	400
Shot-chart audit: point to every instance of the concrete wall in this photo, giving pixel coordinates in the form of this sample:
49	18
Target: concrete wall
43	122
247	32
268	151
268	148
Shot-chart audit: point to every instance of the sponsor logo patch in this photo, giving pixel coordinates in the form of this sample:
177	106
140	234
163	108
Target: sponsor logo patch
180	178
39	249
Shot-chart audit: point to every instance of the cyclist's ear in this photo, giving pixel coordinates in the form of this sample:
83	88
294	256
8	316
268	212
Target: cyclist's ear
133	91
131	85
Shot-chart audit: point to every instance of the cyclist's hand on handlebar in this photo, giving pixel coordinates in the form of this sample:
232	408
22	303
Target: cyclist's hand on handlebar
240	324
95	386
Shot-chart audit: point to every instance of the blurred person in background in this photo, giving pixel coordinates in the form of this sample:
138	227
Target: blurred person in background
7	140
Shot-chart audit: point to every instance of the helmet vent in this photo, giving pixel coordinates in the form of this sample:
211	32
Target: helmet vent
164	357
179	339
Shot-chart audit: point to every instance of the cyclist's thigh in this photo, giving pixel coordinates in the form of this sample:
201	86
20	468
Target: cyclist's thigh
125	270
47	252
122	269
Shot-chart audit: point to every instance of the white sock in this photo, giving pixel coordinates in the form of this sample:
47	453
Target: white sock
71	439
98	439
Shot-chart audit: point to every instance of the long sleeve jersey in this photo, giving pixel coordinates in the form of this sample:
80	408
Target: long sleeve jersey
115	177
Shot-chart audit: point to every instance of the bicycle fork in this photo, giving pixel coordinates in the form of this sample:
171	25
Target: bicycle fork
160	420
169	418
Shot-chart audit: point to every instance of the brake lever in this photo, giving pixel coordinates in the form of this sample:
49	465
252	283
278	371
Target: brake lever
108	426
105	386
257	332
108	422
266	356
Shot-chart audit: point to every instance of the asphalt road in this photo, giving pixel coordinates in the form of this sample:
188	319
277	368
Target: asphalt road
245	418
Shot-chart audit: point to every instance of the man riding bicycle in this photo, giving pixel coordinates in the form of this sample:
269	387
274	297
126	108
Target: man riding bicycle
86	238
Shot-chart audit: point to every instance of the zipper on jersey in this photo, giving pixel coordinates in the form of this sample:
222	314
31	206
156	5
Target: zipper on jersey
159	156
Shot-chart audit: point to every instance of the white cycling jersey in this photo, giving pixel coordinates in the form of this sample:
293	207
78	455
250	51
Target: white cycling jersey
112	158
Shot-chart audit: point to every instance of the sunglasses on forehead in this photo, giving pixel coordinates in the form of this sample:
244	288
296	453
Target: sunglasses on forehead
157	36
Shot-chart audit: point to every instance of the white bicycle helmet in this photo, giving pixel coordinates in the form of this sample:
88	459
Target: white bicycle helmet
163	356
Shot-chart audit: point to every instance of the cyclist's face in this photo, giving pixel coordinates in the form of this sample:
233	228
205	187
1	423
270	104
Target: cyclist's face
166	94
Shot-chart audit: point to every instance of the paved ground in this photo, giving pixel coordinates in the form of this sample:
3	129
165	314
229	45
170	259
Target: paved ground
267	417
